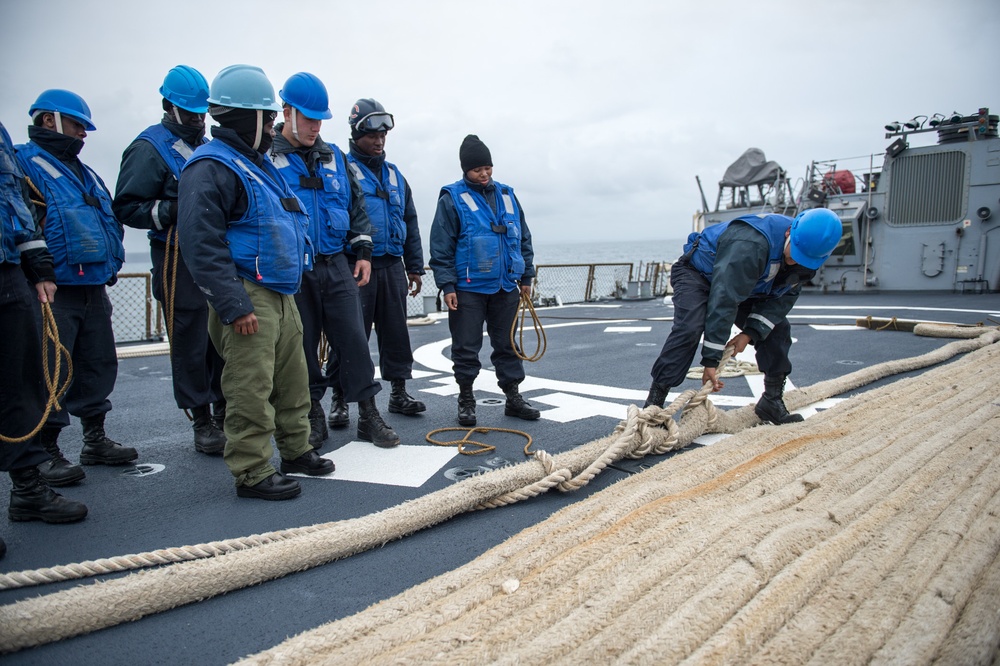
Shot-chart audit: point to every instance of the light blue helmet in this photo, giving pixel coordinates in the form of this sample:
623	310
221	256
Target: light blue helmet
186	88
243	87
815	233
56	100
305	92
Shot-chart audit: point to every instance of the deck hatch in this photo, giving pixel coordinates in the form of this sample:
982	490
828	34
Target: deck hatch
927	189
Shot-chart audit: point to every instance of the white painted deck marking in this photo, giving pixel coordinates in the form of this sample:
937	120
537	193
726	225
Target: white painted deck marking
572	400
628	329
410	466
836	327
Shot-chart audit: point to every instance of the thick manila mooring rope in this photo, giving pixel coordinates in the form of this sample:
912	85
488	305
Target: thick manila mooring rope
87	608
868	534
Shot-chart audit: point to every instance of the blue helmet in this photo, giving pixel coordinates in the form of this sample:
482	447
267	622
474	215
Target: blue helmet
305	92
56	100
243	87
185	87
814	235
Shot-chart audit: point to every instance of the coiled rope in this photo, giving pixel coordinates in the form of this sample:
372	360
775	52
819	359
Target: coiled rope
31	621
50	340
171	258
524	308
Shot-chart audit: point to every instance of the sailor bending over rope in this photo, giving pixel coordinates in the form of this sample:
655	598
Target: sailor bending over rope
747	271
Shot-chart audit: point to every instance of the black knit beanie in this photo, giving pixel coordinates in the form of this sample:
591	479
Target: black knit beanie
474	153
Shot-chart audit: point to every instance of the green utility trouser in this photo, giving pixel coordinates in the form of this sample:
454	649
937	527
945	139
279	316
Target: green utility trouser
266	386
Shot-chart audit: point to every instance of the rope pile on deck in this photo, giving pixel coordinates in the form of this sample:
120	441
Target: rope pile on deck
842	535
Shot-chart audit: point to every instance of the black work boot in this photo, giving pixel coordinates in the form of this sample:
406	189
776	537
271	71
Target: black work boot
57	471
771	407
401	402
207	436
657	395
309	463
518	406
31	499
339	416
371	427
466	406
219	414
274	487
318	431
99	449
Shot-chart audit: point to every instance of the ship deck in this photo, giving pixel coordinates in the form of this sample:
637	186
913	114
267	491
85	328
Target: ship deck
596	364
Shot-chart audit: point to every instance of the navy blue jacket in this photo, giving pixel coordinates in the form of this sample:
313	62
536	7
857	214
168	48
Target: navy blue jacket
146	193
446	231
212	197
376	181
21	238
743	270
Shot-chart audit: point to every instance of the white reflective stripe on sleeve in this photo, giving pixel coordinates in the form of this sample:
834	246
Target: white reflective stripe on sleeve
392	178
182	149
248	171
508	203
712	345
32	245
155	213
764	320
469	201
357	170
359	238
279	161
49	168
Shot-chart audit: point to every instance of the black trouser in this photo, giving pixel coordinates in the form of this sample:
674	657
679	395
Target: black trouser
690	310
466	324
329	303
194	362
22	385
83	315
383	305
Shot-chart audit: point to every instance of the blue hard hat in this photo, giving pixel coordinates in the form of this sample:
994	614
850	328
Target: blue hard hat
185	87
243	87
305	92
815	233
65	102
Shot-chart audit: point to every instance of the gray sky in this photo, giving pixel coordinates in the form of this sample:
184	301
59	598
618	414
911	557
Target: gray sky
598	113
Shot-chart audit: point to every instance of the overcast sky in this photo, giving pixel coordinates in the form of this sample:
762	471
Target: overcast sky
599	113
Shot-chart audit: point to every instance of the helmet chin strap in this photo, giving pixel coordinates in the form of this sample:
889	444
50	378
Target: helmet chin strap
260	130
58	120
177	114
295	124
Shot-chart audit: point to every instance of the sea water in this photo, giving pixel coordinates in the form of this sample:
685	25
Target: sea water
646	251
129	295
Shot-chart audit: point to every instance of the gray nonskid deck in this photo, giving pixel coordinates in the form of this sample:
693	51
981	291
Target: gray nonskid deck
597	363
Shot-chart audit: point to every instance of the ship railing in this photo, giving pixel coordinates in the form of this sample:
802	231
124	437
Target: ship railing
137	316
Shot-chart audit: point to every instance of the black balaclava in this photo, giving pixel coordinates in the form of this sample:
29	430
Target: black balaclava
246	124
187	125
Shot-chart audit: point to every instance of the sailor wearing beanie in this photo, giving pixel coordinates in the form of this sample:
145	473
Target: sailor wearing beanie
482	260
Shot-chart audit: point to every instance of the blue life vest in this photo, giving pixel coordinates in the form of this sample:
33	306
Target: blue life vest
81	231
16	222
385	199
174	152
487	261
327	198
703	247
269	244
